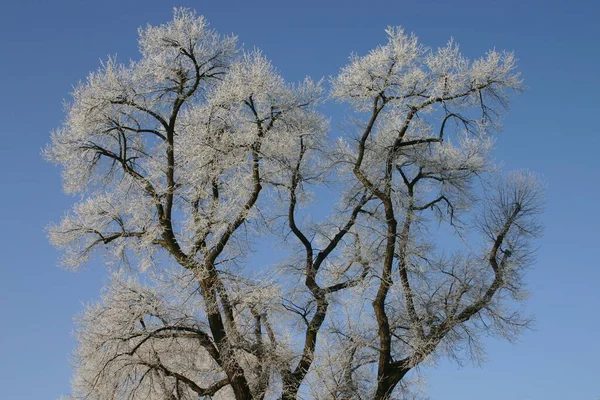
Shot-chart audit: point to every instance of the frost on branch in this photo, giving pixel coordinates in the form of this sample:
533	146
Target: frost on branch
405	72
143	343
109	221
181	155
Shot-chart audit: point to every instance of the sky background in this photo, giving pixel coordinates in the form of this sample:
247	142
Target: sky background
552	129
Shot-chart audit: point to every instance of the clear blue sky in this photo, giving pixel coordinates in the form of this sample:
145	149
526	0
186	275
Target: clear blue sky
46	47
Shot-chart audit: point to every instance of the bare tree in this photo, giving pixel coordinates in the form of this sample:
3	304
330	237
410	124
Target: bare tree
184	156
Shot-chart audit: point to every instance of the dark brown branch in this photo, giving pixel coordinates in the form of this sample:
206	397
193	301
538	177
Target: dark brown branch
209	391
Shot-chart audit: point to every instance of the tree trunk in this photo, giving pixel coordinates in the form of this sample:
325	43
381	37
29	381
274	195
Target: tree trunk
391	378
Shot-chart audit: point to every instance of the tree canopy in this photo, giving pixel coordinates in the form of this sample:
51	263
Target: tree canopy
183	157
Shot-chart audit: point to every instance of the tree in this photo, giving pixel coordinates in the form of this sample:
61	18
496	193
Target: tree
186	156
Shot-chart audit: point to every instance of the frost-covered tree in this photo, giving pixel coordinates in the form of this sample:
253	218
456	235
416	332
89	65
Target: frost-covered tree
184	157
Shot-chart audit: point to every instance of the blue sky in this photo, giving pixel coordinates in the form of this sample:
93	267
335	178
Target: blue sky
552	129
